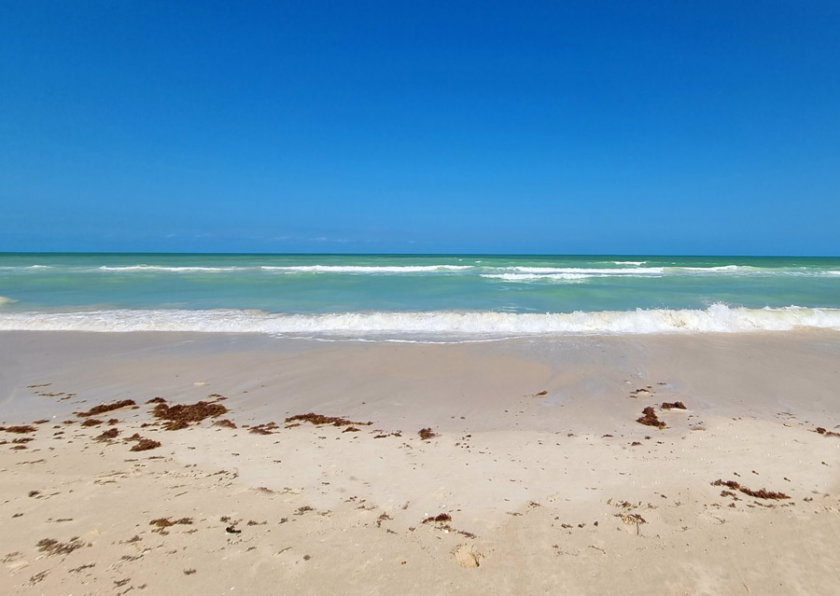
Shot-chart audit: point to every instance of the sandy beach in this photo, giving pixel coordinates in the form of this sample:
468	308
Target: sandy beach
516	466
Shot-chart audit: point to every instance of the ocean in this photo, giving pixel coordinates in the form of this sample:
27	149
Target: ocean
416	297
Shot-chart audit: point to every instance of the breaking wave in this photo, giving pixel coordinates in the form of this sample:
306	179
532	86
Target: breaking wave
454	325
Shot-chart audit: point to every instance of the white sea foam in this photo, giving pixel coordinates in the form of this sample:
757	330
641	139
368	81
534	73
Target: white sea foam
368	269
5	300
719	268
536	276
525	274
590	270
717	318
568	274
23	267
353	269
629	262
156	268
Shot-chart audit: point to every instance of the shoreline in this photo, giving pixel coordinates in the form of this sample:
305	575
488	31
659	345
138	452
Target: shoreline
536	440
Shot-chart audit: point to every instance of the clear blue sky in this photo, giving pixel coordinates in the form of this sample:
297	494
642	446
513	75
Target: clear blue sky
539	127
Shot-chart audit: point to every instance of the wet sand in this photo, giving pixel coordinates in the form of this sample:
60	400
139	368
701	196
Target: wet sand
506	467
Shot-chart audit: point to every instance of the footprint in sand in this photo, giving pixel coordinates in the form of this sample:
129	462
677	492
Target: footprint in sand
466	557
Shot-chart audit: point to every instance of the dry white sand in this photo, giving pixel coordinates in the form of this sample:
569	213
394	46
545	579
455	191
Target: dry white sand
548	481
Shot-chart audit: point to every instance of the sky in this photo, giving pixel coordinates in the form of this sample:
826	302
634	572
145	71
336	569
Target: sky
422	127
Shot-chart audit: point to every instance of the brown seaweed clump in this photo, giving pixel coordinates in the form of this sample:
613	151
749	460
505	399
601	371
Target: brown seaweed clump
145	445
225	422
758	494
827	433
426	433
264	429
54	547
111	433
649	418
92	422
180	416
320	419
441	522
678	405
102	408
156	400
19	429
163	522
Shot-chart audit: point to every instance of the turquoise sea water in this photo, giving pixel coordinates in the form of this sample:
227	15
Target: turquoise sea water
419	295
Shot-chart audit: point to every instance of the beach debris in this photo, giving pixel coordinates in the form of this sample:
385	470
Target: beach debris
827	433
102	408
441	522
92	422
649	418
642	392
758	494
224	422
54	547
164	522
145	445
232	530
180	416
382	518
440	518
156	400
678	405
426	433
320	419
19	429
634	520
542	393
